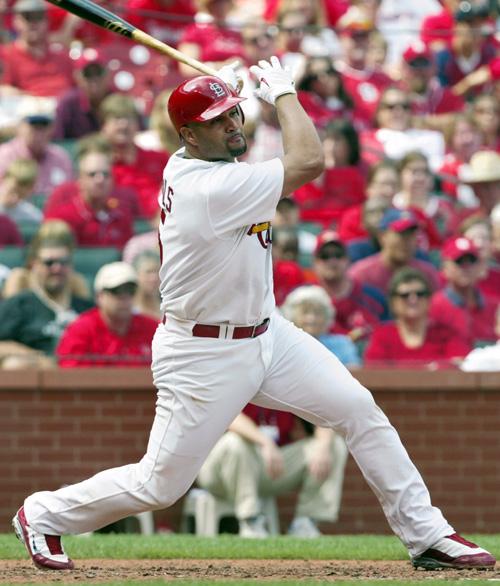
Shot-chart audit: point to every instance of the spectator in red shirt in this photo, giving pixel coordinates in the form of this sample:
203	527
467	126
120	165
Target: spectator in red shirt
287	273
436	28
9	233
413	339
486	114
110	334
133	167
358	305
479	230
30	64
321	92
363	84
211	38
165	20
77	109
429	100
398	232
341	185
461	303
96	216
470	48
382	184
463	139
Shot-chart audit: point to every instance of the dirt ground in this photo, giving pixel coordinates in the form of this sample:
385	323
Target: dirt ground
18	572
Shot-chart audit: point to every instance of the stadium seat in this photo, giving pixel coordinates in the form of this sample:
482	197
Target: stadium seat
88	260
142	226
12	256
28	230
208	512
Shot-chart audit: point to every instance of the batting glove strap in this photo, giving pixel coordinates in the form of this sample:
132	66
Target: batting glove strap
274	80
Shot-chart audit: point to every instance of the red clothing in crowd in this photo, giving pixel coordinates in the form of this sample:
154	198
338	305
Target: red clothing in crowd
365	87
113	226
283	420
471	323
287	275
144	176
48	75
318	110
436	29
490	284
333	10
436	100
215	43
325	200
9	233
165	23
440	345
351	224
88	341
373	271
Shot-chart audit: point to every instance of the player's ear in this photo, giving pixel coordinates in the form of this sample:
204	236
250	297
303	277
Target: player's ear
188	136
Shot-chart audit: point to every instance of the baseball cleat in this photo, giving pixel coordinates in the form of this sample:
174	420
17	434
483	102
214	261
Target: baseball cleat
46	551
455	552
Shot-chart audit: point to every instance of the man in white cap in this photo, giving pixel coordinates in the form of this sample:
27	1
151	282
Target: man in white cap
110	334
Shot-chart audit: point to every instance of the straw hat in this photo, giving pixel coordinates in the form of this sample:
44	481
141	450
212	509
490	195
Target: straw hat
484	167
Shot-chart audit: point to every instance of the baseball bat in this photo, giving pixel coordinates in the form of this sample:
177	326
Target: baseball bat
94	13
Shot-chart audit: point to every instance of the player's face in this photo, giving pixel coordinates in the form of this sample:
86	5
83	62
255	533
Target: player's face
219	139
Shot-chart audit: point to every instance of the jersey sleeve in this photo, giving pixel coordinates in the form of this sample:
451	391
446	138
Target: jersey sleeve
241	194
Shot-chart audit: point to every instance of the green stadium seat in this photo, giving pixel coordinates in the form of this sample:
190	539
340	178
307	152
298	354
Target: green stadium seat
310	227
12	256
28	230
142	226
70	145
88	260
38	200
305	259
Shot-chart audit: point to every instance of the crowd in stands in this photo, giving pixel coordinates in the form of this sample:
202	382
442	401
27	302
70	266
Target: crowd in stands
390	257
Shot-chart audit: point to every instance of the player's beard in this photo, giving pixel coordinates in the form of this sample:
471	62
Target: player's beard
237	151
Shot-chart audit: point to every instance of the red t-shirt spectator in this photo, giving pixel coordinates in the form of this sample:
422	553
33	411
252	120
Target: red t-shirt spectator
473	323
372	271
318	110
215	43
351	224
490	284
165	23
113	226
324	202
9	233
436	29
89	342
441	344
48	75
436	100
144	176
287	275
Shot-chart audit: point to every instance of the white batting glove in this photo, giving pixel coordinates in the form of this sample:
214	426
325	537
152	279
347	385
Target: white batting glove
229	76
274	80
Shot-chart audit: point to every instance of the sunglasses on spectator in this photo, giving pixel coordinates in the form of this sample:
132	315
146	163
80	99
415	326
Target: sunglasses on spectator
419	62
129	289
419	293
259	38
294	30
103	172
466	259
33	16
328	254
50	262
402	105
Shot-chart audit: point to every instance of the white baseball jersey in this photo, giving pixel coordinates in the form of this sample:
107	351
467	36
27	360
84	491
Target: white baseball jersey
215	239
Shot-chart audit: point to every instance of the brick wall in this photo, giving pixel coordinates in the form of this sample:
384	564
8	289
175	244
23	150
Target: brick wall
60	427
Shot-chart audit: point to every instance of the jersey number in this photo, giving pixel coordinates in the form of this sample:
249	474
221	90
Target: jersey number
166	197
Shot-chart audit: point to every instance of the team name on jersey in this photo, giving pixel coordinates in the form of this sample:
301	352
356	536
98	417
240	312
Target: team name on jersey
263	231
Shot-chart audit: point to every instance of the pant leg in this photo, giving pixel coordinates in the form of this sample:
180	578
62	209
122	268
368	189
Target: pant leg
232	472
305	378
202	385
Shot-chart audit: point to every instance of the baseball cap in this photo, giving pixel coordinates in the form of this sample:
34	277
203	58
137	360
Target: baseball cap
484	166
29	6
113	275
355	20
398	220
459	246
37	110
327	237
89	56
418	53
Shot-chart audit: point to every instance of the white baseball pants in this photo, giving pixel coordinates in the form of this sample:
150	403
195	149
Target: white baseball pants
203	383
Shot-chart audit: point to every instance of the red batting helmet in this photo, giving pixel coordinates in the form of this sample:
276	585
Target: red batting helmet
200	99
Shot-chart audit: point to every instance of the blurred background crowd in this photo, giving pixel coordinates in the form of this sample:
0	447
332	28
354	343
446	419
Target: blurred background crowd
391	257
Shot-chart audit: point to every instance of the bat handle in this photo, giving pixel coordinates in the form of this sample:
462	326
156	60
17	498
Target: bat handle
145	39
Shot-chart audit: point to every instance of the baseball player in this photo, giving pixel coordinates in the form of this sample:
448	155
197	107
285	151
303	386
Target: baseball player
221	343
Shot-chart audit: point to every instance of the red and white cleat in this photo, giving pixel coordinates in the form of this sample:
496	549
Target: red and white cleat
46	551
456	552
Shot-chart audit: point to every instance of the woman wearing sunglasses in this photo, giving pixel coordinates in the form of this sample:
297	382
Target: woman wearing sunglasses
412	338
